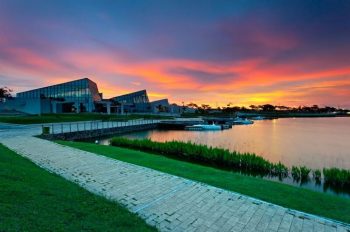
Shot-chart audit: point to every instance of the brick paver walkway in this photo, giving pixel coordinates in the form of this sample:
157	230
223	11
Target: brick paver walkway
168	202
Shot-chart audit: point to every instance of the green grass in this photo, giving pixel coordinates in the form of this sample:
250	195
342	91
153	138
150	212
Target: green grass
330	206
248	163
32	199
203	154
52	118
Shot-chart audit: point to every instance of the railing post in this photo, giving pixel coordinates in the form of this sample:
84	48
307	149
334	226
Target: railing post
77	126
61	128
70	127
84	126
52	129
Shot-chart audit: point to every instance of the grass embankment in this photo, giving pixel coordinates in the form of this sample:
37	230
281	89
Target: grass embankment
285	195
225	159
53	118
32	199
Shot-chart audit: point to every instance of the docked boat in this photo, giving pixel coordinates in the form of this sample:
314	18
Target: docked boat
203	127
258	118
241	121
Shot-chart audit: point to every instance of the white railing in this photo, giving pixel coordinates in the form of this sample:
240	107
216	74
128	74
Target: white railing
60	128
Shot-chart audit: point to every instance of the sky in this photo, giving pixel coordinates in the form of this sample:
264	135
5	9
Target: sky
238	52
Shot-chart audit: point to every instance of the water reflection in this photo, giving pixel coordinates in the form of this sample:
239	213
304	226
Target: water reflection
313	142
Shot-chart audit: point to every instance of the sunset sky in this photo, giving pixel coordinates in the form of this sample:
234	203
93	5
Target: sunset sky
242	52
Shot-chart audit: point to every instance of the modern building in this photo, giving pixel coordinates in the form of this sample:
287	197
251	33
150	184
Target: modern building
74	96
136	102
133	98
160	106
83	96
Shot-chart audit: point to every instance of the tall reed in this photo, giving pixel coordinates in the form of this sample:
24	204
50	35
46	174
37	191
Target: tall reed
232	160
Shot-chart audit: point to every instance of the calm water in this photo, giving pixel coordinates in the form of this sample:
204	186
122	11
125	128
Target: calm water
314	142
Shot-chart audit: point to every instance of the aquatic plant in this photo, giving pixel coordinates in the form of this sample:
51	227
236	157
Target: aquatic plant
336	176
245	162
317	175
304	172
280	169
231	160
296	173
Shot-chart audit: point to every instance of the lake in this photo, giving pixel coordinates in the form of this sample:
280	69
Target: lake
313	142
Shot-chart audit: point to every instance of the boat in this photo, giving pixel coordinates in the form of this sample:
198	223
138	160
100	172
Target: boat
203	127
241	121
258	118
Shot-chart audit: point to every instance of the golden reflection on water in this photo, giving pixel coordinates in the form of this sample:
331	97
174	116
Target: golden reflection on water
314	142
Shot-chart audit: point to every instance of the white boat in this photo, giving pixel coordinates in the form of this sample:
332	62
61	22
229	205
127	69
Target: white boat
241	121
204	127
258	118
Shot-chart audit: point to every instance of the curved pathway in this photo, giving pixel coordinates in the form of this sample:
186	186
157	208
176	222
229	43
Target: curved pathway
168	202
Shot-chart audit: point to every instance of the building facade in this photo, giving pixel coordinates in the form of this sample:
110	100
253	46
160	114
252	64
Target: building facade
83	96
74	96
136	102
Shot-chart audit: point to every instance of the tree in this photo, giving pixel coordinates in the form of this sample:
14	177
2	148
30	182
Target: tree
5	92
267	107
254	107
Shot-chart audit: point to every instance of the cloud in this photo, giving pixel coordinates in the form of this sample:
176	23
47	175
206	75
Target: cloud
292	52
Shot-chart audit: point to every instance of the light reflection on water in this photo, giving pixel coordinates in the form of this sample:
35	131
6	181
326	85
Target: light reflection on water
313	142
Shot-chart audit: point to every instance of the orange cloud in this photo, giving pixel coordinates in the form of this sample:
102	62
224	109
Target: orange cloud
247	75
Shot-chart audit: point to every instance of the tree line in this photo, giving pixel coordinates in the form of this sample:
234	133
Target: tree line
205	108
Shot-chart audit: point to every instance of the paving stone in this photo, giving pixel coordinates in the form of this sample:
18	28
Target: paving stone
168	202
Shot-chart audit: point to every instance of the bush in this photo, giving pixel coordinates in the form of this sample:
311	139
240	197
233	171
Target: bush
46	130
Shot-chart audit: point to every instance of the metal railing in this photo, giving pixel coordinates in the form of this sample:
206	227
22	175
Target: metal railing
60	128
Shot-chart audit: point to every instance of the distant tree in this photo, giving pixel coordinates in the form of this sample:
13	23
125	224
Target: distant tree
315	108
205	107
254	107
267	107
5	92
192	105
282	108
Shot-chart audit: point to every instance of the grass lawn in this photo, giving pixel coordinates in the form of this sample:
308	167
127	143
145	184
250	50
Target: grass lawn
52	118
309	201
32	199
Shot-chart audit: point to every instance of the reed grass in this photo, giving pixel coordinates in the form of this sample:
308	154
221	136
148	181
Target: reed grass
296	174
246	162
304	172
317	175
232	160
338	177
